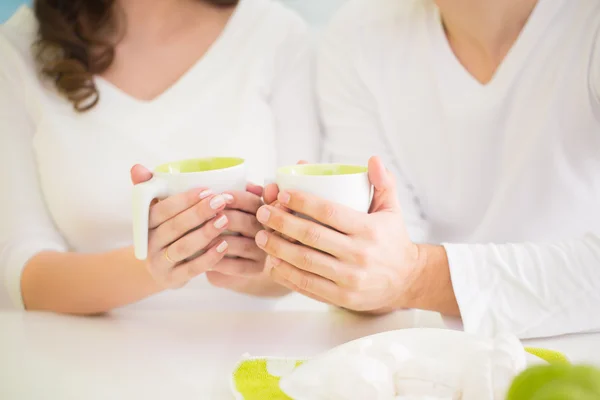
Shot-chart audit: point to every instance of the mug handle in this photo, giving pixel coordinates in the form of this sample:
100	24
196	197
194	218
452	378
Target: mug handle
143	195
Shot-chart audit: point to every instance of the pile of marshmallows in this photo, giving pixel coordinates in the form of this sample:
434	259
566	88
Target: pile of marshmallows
388	371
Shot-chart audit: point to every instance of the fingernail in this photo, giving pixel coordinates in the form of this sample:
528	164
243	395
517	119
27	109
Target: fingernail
217	202
228	198
222	247
283	197
205	194
221	222
261	238
274	261
263	214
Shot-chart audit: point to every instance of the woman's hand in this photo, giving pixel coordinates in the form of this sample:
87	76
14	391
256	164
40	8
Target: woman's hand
242	270
182	226
365	263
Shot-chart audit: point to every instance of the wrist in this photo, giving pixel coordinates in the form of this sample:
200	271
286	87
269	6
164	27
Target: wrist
416	276
146	281
411	268
429	284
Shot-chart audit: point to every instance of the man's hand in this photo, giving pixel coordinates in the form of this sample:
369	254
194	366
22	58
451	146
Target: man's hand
272	191
365	263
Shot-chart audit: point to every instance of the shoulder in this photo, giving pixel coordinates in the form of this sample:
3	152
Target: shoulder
17	36
265	19
364	33
591	43
270	33
18	71
371	18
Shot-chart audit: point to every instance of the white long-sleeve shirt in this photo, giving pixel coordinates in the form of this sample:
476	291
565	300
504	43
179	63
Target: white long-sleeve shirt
65	176
509	170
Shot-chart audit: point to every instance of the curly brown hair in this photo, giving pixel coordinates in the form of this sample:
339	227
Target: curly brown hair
76	40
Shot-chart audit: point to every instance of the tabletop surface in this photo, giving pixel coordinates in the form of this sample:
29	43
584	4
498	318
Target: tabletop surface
184	355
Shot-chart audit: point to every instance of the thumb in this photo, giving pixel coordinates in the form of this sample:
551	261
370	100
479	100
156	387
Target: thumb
140	174
271	190
255	189
270	193
384	184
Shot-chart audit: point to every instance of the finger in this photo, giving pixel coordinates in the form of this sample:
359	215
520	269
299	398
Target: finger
244	247
174	205
140	174
235	283
310	285
187	221
160	267
271	192
304	258
243	223
279	280
195	241
239	267
384	185
282	208
181	274
244	201
337	216
306	232
223	281
255	189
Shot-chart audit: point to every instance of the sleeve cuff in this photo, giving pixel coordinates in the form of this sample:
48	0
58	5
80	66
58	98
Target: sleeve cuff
467	281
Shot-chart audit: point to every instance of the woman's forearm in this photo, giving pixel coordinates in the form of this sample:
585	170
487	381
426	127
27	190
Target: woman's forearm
85	284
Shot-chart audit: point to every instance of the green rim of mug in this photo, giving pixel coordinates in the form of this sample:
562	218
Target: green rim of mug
323	170
199	165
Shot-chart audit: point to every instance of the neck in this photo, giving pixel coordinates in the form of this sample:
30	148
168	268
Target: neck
491	26
158	18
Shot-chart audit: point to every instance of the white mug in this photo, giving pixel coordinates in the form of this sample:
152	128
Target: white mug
348	185
218	174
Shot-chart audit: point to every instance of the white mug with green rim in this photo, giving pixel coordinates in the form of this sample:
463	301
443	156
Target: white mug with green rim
219	174
348	185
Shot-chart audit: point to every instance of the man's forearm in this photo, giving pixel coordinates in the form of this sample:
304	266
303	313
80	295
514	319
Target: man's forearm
431	286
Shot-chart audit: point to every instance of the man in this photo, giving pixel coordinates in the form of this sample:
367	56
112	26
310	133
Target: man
488	114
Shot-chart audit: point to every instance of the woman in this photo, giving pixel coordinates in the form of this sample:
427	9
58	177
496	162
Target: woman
488	112
142	82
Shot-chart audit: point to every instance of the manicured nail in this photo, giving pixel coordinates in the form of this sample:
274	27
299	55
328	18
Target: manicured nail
217	202
261	238
222	247
263	214
221	222
283	197
228	198
205	194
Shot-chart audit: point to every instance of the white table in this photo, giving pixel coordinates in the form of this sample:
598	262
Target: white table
182	355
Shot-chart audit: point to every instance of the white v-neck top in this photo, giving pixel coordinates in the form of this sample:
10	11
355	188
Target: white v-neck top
516	160
65	176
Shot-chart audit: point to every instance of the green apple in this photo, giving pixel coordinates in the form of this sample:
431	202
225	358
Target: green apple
556	382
